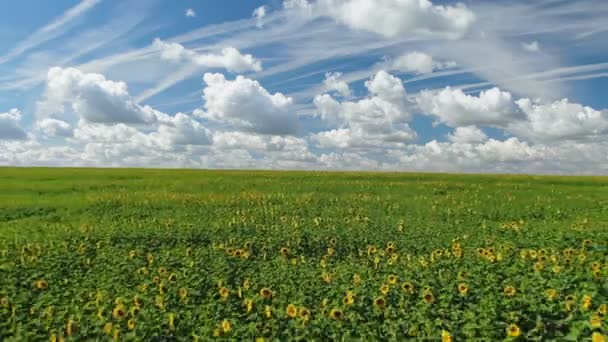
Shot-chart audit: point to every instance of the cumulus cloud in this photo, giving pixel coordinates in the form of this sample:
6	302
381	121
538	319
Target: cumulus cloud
9	126
244	104
91	97
560	120
55	128
259	14
332	82
467	135
453	107
190	13
393	18
419	63
230	59
378	119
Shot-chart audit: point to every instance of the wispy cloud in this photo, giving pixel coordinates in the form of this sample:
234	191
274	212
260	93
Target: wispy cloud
53	30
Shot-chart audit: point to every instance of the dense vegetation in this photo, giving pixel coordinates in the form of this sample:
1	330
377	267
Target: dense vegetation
137	254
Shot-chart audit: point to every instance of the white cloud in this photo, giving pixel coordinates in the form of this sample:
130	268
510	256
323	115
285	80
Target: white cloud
492	107
9	126
393	18
55	128
419	63
230	59
467	135
92	97
560	120
378	119
332	82
190	13
246	105
259	14
531	46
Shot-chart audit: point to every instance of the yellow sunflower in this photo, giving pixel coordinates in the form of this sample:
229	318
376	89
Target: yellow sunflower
428	298
348	300
335	314
509	291
266	293
226	326
385	289
131	324
380	302
551	294
446	336
119	312
371	250
284	251
224	292
513	330
463	289
408	287
597	337
42	284
392	279
292	311
304	313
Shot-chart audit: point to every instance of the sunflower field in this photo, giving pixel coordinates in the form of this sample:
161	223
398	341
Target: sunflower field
185	255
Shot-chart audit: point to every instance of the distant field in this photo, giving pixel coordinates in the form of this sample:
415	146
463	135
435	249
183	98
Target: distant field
135	254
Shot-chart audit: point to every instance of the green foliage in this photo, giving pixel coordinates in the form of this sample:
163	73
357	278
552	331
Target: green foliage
94	254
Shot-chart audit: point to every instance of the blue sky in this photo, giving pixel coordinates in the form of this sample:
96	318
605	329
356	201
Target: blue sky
470	86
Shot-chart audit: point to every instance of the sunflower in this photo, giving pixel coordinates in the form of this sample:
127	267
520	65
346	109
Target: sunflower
380	302
132	254
428	298
463	275
392	279
587	243
131	324
390	249
333	241
446	336
463	288
230	251
597	337
70	328
247	284
595	321
513	330
156	279
480	251
371	250
348	300
326	277
556	269
292	311
356	279
183	293
162	271
427	289
335	314
42	284
587	302
266	293
330	251
226	326
150	259
188	251
172	277
284	251
268	311
4	302
107	328
119	312
159	301
509	291
408	287
602	309
248	303
596	266
538	266
134	311
304	313
551	294
385	289
238	253
224	292
137	301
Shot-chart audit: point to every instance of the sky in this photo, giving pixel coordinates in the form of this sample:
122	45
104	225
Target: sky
510	86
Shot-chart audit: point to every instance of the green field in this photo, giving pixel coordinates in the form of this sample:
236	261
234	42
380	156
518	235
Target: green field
130	254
